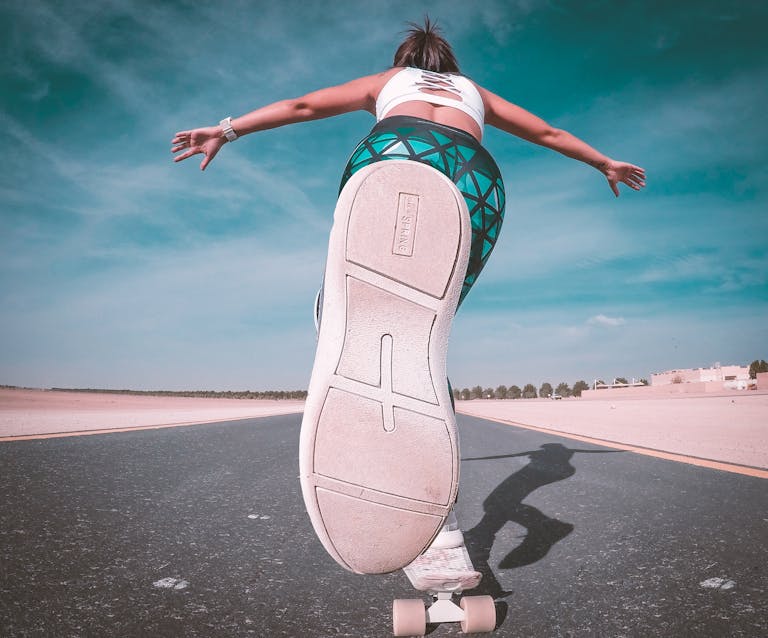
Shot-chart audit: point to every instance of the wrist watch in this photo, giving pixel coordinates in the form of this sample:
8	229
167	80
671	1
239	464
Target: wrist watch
226	128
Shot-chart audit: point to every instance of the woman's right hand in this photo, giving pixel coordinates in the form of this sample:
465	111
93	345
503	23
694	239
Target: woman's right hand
207	140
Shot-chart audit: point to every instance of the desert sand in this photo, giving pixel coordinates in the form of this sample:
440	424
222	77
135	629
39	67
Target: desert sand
731	429
37	412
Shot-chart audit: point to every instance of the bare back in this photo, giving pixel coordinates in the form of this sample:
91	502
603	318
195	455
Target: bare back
446	115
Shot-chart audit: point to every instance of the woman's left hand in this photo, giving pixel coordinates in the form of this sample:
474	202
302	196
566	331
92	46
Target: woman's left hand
631	175
207	140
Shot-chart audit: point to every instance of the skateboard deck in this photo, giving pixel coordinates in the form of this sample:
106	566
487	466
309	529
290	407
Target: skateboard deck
443	571
378	396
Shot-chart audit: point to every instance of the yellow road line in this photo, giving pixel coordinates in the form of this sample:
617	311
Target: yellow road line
130	428
734	468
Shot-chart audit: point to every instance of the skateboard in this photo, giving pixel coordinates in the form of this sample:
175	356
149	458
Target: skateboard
444	571
378	396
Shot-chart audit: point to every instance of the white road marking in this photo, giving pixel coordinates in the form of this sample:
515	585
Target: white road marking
171	583
718	583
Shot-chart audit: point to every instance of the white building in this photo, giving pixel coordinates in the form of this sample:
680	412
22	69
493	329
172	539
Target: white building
731	377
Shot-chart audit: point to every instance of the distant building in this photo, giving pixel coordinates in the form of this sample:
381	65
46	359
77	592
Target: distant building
731	377
687	381
598	385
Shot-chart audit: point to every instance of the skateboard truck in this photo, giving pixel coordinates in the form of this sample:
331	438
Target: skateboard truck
443	571
475	613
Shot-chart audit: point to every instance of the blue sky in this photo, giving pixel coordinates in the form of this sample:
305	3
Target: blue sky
119	269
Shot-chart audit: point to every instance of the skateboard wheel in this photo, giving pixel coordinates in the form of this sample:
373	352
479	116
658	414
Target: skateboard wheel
479	614
409	617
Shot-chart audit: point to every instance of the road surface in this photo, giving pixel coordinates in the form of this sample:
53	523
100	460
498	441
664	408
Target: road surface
201	531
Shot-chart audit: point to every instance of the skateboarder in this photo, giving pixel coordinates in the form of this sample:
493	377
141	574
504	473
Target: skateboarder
374	493
424	102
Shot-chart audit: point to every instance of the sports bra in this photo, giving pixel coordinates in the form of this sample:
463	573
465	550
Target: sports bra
407	85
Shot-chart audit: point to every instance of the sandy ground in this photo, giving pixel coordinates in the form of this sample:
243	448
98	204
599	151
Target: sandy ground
732	429
31	412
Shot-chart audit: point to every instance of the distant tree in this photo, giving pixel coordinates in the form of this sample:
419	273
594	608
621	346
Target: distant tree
757	366
477	392
621	380
644	381
488	393
545	390
501	392
529	391
212	394
563	389
466	395
514	392
456	394
677	379
579	387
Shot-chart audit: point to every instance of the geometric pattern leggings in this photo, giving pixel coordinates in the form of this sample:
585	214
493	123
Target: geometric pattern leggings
457	155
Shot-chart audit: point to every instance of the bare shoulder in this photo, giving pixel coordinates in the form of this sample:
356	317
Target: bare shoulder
380	79
359	93
489	98
373	83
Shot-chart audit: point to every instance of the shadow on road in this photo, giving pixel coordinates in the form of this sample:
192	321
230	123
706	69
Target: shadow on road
549	464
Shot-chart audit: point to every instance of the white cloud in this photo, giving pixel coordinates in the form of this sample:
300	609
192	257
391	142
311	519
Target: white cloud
57	35
605	321
721	270
235	313
709	124
504	19
543	347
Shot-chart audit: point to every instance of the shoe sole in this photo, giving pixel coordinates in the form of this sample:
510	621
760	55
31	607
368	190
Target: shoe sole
379	454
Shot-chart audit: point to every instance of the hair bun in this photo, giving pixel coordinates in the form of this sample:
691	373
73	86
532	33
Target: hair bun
425	48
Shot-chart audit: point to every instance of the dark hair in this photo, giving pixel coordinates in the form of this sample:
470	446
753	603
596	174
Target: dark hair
425	48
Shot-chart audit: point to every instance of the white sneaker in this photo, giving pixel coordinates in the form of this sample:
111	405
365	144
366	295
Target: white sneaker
445	566
379	459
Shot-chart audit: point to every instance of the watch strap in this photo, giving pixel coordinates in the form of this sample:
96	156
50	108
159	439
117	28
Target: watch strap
226	128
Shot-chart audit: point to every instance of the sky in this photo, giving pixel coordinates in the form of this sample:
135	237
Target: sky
121	269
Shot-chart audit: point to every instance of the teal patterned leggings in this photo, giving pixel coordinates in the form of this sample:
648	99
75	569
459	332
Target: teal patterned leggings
454	153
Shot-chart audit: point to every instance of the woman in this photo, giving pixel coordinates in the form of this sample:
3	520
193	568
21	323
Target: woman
433	103
428	113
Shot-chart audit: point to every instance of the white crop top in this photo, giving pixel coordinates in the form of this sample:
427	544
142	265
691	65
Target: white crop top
407	86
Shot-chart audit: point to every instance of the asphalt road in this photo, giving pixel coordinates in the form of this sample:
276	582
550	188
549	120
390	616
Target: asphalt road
201	531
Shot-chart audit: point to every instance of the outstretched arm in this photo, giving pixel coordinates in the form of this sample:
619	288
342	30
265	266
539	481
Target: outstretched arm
356	95
517	121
